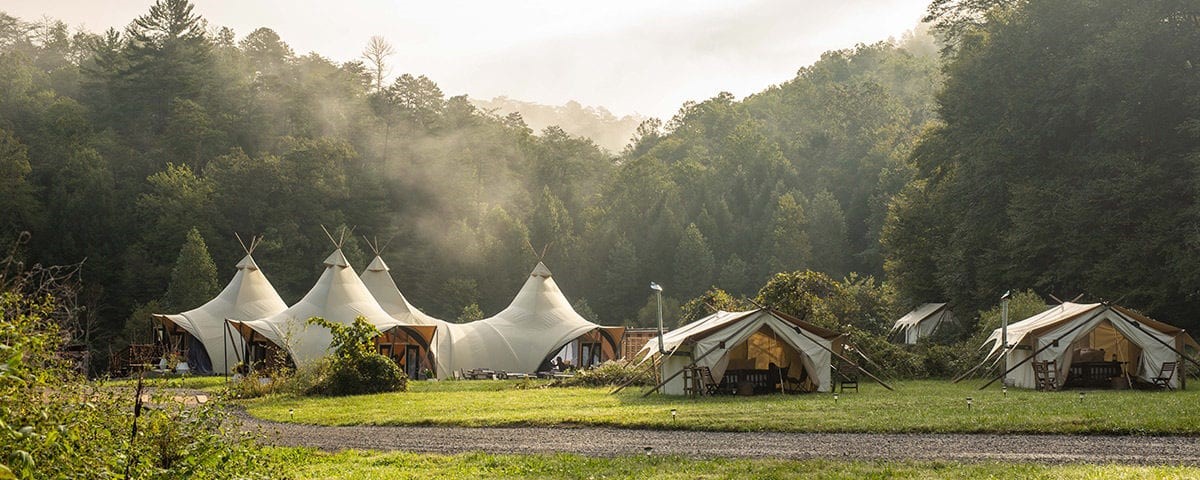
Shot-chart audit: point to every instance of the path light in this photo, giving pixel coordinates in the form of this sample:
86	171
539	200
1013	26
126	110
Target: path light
292	413
835	398
673	413
1004	390
647	449
1080	397
969	399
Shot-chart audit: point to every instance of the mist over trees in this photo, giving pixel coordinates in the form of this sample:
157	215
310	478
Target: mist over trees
598	124
1059	156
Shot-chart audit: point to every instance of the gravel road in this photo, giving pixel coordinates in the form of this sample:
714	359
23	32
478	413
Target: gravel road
615	442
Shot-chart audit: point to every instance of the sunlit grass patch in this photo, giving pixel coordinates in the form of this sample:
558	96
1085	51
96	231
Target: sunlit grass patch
916	406
310	464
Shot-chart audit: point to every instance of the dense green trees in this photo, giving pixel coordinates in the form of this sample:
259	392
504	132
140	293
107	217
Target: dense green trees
1065	162
1060	156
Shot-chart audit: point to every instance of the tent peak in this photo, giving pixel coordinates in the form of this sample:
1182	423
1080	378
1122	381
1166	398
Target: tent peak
540	271
247	263
378	265
336	259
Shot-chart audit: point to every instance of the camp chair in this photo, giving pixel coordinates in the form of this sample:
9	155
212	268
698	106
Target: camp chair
711	387
1046	375
1164	375
849	375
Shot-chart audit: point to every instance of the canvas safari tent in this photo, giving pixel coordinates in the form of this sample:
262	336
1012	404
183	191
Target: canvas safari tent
921	322
750	340
338	296
248	295
525	336
1091	332
409	346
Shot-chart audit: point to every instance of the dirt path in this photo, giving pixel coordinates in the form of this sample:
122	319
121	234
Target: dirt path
615	442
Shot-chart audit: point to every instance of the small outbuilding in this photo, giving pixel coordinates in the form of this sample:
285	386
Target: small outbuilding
921	322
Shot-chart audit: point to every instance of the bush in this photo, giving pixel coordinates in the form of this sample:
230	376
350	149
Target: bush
355	368
617	372
55	424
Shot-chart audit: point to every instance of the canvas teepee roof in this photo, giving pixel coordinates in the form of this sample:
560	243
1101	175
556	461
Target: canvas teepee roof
538	323
338	296
378	280
248	295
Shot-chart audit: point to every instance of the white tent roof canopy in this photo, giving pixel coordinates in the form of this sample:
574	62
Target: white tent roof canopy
708	342
537	324
921	322
1051	335
248	295
338	296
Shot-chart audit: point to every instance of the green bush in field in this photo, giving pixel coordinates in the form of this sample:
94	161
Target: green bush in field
618	372
355	367
56	424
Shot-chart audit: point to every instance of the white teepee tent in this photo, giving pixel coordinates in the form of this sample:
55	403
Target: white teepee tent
378	280
248	295
537	324
338	296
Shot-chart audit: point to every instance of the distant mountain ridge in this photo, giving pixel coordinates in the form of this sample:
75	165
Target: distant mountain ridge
596	123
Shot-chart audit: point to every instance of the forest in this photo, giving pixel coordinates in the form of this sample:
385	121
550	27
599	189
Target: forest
1004	145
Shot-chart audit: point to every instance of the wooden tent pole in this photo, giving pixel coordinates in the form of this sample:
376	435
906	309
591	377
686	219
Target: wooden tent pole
969	372
1165	344
1040	350
653	363
831	352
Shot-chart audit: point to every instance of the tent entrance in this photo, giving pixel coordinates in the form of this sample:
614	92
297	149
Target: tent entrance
586	351
768	361
1101	358
408	349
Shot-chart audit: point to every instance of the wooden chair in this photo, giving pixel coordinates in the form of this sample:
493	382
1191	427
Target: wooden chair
1046	375
711	386
849	376
1164	375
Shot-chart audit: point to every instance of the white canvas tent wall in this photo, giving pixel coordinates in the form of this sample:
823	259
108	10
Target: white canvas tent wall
538	323
338	296
921	322
1065	328
379	282
709	341
248	295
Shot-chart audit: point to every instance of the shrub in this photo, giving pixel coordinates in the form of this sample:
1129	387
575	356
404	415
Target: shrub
617	372
55	424
355	368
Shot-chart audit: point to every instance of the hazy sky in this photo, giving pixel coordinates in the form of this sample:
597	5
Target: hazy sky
630	56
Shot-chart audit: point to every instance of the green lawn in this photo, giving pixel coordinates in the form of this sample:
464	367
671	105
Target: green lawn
916	406
310	464
208	383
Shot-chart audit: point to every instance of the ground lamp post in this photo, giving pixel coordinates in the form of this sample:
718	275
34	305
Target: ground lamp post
1004	336
658	294
661	350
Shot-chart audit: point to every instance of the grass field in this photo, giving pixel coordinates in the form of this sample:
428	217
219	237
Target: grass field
916	406
310	464
207	383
